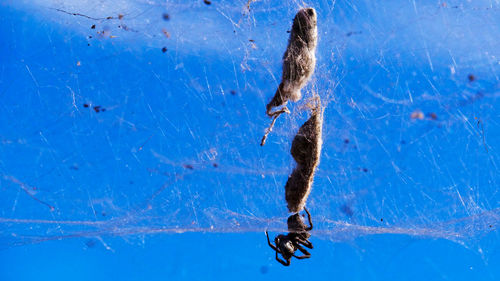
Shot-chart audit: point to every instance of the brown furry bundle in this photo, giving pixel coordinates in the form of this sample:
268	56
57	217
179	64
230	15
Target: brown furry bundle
299	59
299	62
306	150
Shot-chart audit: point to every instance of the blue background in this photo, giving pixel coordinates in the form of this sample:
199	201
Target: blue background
120	160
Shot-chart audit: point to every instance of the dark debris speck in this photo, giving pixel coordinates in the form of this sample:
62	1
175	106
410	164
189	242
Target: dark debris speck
350	33
99	108
189	166
92	27
86	105
233	92
90	243
165	16
346	210
164	49
471	77
207	2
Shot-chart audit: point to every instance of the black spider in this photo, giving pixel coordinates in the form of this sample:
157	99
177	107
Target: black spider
298	236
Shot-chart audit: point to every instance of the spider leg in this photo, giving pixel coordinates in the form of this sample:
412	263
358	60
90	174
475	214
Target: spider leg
285	263
305	242
309	219
271	245
302	257
304	251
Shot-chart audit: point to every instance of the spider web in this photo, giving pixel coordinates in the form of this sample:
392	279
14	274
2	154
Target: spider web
127	118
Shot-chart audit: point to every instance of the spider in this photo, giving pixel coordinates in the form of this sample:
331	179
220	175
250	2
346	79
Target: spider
298	236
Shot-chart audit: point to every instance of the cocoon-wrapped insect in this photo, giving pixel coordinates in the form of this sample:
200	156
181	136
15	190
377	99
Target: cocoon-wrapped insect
299	59
306	150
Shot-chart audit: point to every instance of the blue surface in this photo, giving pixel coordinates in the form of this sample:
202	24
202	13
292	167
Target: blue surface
123	161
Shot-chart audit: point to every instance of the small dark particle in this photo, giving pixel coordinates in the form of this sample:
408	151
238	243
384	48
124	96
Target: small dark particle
365	170
346	141
90	243
264	269
215	165
251	40
109	18
381	219
88	44
233	92
126	28
348	34
471	77
85	105
207	2
189	166
99	108
164	49
165	16
433	116
103	214
288	31
165	32
90	36
92	27
346	210
491	225
120	16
